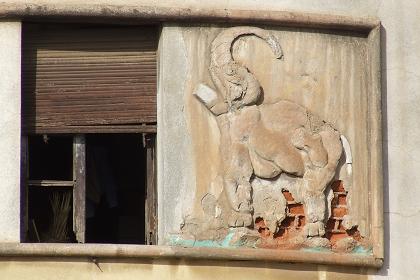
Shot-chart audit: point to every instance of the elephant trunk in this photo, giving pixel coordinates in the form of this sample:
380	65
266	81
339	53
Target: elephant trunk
236	86
221	48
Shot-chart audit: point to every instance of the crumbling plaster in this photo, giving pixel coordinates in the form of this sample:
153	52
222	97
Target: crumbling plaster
400	87
325	73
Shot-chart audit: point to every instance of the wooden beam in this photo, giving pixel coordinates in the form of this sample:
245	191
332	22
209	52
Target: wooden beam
79	190
24	188
50	183
151	192
88	129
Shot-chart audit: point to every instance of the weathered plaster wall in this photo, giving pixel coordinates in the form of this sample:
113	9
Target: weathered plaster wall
401	111
10	131
401	87
175	163
82	269
328	73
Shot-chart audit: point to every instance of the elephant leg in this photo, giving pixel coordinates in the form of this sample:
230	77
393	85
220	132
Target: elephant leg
239	196
315	209
237	186
316	180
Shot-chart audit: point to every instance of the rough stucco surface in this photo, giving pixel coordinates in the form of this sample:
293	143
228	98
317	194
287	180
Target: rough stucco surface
173	182
163	269
401	111
325	73
10	131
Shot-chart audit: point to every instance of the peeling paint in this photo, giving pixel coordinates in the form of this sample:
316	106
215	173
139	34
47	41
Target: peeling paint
177	240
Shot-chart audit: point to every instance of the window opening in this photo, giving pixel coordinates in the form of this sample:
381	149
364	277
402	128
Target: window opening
88	126
115	188
50	182
94	188
51	157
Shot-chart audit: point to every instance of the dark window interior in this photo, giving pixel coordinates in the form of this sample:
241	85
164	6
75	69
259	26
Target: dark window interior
50	215
115	189
50	158
50	209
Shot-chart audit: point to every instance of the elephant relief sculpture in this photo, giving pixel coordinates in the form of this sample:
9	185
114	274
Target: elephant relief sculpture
266	142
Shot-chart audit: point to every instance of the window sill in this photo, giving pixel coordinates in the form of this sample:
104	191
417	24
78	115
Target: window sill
154	252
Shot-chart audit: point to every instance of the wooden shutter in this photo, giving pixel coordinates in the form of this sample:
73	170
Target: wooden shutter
87	79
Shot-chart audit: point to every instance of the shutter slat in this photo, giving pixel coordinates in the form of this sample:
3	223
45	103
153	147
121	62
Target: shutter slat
88	78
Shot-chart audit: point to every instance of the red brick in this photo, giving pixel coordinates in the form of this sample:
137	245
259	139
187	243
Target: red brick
259	223
288	222
339	212
338	186
302	221
288	196
296	209
262	228
355	233
334	237
280	234
342	199
330	224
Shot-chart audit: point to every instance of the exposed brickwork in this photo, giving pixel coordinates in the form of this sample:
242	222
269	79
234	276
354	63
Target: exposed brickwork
296	209
339	211
290	226
338	187
334	228
295	220
288	196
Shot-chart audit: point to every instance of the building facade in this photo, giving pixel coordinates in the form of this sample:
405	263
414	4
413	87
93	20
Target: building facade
350	67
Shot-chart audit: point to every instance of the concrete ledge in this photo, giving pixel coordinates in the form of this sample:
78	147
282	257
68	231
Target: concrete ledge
145	251
56	9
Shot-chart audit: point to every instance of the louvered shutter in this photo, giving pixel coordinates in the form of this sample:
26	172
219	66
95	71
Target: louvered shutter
88	79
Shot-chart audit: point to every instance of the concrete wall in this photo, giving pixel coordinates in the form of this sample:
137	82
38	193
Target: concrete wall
83	269
401	87
326	73
401	111
10	39
172	158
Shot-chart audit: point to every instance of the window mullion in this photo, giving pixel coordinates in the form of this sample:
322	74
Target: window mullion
79	189
151	193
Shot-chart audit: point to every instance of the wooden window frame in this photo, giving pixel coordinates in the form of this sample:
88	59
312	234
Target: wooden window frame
78	185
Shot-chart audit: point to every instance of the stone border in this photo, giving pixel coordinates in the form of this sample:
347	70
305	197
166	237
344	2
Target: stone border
109	251
138	13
